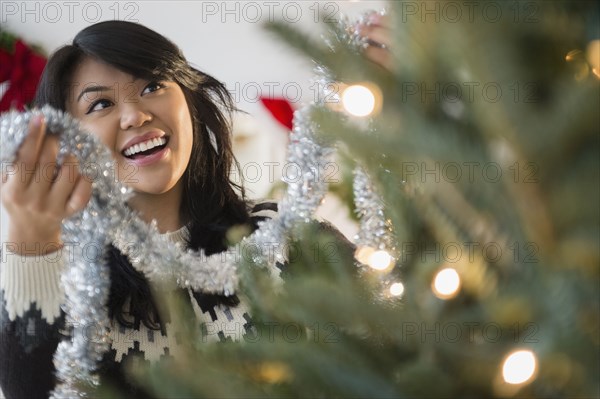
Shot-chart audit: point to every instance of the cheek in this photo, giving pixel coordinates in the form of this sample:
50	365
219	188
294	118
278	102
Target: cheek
184	116
186	144
105	136
187	129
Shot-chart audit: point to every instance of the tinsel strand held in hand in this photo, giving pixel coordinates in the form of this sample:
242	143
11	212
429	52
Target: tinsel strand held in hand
374	229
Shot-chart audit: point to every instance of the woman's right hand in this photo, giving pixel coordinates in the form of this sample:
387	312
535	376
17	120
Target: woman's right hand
38	196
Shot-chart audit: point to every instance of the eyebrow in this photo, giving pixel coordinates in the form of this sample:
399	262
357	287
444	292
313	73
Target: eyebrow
92	89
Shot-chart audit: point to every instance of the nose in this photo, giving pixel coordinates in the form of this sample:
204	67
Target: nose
133	115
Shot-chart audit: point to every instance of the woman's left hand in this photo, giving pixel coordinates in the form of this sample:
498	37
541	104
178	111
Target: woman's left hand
377	32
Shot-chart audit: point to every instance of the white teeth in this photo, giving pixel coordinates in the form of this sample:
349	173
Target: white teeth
145	146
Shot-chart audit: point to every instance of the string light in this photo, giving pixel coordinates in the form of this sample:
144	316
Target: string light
593	56
273	372
571	55
446	283
397	289
360	100
379	260
376	259
362	254
519	367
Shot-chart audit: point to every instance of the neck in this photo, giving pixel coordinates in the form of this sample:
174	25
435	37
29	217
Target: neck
164	208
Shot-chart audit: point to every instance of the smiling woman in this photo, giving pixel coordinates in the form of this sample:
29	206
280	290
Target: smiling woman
128	114
166	122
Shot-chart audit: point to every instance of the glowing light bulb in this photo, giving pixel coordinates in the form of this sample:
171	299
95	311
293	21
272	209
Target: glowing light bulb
446	283
593	53
273	373
379	260
571	55
593	56
362	254
358	100
397	289
519	367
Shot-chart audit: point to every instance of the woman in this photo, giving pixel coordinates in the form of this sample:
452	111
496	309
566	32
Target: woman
165	123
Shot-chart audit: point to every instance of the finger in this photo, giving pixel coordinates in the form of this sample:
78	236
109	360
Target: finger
375	19
63	186
28	153
80	197
377	50
8	169
46	166
377	36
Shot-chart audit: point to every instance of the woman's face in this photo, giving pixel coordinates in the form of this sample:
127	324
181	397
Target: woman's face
147	125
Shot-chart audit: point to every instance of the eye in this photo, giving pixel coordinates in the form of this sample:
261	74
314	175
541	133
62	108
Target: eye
99	105
152	87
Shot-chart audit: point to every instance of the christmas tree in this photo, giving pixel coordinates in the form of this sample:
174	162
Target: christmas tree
481	146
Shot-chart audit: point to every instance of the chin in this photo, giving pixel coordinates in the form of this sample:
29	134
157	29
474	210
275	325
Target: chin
153	183
153	190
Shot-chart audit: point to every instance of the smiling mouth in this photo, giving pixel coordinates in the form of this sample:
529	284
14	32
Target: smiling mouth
153	146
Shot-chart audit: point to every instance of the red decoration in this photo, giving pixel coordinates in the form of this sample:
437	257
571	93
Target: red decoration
281	109
23	70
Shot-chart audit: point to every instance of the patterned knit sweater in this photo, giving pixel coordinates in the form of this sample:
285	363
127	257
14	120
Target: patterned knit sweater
32	324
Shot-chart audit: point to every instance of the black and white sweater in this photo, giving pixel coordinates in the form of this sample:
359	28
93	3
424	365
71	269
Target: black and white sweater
32	324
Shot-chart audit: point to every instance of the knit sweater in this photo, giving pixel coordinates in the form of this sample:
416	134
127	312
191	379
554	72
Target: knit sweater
32	324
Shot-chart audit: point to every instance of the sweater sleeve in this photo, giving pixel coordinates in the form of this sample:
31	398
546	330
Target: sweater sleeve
28	281
31	321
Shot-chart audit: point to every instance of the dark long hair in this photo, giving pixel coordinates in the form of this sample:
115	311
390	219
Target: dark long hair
210	201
